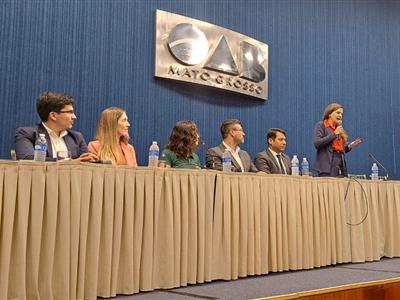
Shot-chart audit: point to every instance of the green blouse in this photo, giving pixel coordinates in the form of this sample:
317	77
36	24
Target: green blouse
191	162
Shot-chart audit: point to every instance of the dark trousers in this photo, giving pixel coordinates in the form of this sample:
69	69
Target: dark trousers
338	166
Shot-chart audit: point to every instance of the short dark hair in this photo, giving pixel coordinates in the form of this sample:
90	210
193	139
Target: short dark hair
227	125
51	101
272	133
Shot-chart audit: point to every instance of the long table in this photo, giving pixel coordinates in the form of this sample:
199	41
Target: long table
78	231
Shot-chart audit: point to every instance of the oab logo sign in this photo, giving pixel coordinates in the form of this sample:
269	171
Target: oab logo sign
199	52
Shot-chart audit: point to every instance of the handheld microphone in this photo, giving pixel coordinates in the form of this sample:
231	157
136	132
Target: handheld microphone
377	161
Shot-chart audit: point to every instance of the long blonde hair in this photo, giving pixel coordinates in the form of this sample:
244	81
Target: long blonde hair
107	134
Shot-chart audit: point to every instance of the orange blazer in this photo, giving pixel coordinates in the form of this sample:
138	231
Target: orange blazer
127	150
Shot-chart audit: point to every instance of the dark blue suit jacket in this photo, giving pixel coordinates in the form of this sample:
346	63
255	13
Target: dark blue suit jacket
25	138
323	139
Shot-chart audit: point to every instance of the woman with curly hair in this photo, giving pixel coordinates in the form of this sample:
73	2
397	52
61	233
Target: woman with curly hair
112	138
181	147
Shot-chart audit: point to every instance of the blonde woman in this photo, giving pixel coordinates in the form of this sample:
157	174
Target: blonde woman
112	138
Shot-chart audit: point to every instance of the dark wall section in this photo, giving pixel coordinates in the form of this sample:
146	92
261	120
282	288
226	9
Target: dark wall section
102	53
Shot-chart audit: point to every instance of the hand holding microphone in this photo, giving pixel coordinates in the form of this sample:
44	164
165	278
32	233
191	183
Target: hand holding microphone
339	128
340	131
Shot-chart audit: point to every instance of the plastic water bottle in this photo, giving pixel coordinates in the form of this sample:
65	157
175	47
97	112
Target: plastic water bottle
154	153
226	161
40	151
374	172
305	167
295	165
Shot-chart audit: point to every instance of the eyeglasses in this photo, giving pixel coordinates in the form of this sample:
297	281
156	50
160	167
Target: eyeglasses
66	112
238	129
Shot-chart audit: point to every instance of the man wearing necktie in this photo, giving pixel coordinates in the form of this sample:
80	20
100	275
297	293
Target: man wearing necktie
272	160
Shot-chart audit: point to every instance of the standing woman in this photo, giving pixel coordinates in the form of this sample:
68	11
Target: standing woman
112	138
181	147
330	140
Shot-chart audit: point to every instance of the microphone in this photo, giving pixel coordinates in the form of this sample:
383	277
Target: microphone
377	161
339	123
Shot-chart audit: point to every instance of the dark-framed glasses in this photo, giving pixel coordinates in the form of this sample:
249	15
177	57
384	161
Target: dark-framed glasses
66	112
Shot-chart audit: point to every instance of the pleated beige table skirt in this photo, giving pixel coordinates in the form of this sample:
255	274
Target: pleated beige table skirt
78	231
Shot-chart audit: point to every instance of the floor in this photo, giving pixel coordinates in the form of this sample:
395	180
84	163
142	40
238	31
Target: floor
278	283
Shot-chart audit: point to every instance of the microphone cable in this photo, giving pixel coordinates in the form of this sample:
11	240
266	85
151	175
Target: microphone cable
364	197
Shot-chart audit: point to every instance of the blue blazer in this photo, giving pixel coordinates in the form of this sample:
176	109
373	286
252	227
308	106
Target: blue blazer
323	139
25	138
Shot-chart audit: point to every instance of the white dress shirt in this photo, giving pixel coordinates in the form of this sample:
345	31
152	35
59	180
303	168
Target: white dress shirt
57	142
277	159
235	155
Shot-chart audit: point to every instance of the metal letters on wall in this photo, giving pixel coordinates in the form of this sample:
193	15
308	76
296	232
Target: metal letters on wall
203	53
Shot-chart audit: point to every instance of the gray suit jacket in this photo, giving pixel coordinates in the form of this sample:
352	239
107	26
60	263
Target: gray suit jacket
214	160
266	162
